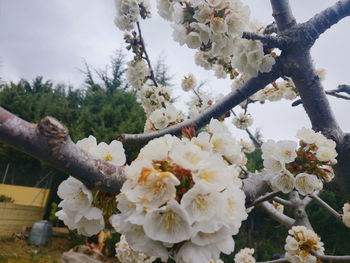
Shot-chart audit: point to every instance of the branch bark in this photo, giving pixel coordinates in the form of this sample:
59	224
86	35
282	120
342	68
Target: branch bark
278	216
227	103
49	141
328	17
283	14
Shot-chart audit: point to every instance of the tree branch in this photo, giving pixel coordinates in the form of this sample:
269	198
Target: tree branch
278	216
228	102
334	93
326	206
142	42
283	14
300	215
332	259
282	201
270	41
263	198
281	260
328	17
49	141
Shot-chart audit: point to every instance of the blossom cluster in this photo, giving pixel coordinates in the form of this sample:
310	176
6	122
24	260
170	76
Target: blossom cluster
243	121
137	73
129	12
125	254
163	117
182	198
300	244
245	255
78	211
188	83
346	214
304	168
215	28
153	98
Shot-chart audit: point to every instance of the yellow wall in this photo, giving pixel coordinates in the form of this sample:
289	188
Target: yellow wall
15	218
26	195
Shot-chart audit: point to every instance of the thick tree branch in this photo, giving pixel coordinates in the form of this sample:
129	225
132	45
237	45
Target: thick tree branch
300	215
49	141
278	216
270	41
328	17
283	14
227	103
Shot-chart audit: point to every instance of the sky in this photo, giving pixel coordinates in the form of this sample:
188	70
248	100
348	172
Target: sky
52	38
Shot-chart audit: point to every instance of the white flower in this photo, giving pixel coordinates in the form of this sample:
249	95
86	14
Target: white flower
76	196
243	121
126	254
203	141
268	149
127	14
113	153
189	82
67	218
213	173
283	181
159	119
169	223
159	148
346	214
299	244
165	8
272	165
247	146
193	40
307	183
87	144
307	135
153	188
325	154
204	236
201	203
191	253
285	151
90	222
234	211
187	155
137	73
245	255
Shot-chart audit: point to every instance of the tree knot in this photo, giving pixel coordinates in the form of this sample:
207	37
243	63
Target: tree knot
53	130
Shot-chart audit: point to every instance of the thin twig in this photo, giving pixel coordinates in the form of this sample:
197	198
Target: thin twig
326	206
146	54
332	259
251	136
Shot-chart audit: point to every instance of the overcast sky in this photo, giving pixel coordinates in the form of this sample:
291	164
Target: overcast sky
51	38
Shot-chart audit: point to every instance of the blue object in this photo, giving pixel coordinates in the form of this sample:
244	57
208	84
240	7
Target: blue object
40	234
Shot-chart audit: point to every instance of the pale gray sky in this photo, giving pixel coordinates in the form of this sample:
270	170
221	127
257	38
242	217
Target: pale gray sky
52	37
